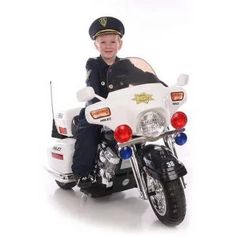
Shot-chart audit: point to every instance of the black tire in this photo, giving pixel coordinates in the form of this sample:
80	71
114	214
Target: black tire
66	186
173	211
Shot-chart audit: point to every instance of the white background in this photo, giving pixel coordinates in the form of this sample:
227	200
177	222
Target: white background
48	40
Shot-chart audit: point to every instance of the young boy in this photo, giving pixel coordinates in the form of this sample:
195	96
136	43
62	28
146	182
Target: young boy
106	33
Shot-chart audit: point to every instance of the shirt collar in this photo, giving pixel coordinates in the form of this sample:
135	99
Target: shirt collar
104	64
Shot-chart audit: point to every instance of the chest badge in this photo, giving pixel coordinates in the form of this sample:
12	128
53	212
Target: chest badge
143	98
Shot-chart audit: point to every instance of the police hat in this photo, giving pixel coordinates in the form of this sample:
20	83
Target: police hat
106	25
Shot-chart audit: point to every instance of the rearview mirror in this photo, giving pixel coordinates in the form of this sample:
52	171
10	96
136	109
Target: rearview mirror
85	94
182	80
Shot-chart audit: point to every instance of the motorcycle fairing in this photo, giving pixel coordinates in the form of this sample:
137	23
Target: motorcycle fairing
120	102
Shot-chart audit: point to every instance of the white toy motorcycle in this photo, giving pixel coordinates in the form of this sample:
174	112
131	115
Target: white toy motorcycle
138	111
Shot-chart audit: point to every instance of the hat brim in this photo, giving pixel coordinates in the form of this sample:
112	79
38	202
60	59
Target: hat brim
106	31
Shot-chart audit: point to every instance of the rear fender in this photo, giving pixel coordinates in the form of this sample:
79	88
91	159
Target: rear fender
161	163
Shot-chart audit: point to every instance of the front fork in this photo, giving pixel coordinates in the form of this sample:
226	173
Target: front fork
169	142
139	178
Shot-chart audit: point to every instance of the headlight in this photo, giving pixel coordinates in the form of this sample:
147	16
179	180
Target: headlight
151	124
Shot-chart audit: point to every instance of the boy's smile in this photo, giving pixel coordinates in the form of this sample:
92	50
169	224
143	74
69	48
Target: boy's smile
108	46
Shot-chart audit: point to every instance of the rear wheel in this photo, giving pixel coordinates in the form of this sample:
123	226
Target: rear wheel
66	186
167	200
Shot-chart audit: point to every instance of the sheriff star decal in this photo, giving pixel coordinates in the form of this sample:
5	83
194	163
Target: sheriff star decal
143	98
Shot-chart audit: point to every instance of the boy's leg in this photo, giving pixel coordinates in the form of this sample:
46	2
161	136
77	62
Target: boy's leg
85	152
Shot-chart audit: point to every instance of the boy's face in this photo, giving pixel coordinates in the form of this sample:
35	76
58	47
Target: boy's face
108	45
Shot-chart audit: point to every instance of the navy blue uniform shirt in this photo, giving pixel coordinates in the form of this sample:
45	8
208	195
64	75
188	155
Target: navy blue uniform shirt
97	77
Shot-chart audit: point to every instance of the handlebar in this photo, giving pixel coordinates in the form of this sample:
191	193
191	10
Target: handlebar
144	139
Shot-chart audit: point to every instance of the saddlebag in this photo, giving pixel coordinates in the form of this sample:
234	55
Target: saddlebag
61	155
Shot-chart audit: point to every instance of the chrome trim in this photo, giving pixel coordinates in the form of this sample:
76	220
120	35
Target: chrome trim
158	199
64	178
149	139
169	141
138	178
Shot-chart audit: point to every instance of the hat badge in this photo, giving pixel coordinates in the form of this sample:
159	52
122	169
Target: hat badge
103	21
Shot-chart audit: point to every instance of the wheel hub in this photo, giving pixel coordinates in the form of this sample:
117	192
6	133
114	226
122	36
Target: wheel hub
157	197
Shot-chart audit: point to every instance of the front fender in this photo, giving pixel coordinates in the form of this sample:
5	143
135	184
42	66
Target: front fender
161	162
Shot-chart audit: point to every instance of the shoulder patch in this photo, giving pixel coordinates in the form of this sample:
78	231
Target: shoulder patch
88	74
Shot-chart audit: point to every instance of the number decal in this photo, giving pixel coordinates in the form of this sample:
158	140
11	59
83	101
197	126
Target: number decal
170	164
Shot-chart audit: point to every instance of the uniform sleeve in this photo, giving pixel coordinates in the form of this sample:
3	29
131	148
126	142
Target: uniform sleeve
93	77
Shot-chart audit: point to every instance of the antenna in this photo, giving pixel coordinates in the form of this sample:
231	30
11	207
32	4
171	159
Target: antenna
51	99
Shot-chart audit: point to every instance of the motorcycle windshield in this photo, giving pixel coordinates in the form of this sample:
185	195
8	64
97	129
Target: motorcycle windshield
130	72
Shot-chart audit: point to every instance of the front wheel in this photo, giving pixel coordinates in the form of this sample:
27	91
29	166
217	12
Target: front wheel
167	200
66	186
